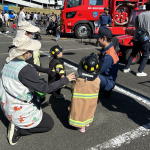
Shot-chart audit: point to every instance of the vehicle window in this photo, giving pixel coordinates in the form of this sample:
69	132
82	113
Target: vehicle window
73	3
132	18
63	4
95	2
11	12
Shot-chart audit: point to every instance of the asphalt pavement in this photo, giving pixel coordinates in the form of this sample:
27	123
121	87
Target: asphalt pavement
118	122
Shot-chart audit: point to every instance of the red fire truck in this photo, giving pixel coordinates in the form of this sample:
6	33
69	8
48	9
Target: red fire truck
77	16
125	41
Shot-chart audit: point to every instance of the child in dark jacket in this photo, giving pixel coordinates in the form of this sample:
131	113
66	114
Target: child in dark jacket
58	67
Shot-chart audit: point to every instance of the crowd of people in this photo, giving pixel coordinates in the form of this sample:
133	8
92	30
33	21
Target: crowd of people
22	107
51	22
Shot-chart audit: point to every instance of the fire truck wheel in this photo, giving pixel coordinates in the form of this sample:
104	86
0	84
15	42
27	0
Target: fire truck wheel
135	60
82	31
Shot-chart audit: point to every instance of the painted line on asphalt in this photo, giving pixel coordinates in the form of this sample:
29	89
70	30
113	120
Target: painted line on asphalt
45	53
4	54
133	95
72	67
123	139
7	36
64	40
5	42
52	38
65	50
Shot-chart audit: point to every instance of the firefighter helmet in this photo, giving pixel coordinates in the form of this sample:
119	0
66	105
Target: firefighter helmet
89	67
55	50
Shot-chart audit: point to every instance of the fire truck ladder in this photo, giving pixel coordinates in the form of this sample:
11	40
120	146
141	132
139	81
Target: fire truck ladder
140	2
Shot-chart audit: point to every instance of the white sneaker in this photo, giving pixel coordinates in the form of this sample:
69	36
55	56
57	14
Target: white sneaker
142	74
7	32
126	70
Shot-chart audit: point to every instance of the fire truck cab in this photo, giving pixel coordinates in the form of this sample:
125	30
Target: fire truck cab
81	16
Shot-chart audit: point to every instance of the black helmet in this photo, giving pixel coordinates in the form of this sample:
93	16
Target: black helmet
89	67
55	50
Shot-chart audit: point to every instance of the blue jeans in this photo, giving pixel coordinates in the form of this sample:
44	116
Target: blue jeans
14	30
145	49
57	37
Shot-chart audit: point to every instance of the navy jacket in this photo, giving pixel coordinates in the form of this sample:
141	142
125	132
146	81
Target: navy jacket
104	19
110	64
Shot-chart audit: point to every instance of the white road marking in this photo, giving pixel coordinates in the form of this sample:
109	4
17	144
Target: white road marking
52	40
4	54
123	139
8	36
45	53
65	50
133	95
72	67
5	42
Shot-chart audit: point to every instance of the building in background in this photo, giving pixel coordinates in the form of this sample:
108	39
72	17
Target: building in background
34	3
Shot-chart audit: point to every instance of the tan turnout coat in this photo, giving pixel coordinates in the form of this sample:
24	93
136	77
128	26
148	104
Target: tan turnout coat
84	102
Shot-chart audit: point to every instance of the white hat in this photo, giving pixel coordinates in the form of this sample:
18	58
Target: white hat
27	26
22	44
25	43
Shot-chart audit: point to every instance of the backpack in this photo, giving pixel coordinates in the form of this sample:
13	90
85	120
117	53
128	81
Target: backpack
142	35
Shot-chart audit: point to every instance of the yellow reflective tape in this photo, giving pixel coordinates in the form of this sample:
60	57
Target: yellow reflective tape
92	69
86	67
62	71
59	66
96	66
56	49
53	70
36	56
53	52
83	62
79	123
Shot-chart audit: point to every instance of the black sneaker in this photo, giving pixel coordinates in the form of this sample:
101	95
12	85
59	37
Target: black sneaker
13	134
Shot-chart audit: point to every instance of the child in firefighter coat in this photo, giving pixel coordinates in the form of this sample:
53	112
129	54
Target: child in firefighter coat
58	67
85	93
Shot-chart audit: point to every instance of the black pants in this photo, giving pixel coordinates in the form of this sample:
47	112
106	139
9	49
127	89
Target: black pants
145	49
2	28
45	125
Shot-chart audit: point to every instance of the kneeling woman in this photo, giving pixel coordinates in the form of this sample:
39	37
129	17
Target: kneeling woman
18	84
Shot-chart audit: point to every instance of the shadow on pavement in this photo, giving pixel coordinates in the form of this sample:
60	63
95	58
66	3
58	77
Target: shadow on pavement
68	35
60	108
69	53
125	104
3	118
144	83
